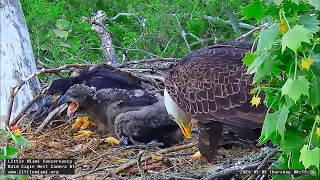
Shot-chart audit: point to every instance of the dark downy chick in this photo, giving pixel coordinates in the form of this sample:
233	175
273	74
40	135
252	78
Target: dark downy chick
138	115
98	76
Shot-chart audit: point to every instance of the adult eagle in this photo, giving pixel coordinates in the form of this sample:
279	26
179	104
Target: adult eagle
211	86
98	76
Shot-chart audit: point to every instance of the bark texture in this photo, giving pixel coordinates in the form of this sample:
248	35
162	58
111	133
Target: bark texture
16	57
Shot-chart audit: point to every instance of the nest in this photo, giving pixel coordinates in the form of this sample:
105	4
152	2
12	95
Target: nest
96	159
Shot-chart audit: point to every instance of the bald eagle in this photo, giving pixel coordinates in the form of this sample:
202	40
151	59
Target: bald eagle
211	86
137	115
98	76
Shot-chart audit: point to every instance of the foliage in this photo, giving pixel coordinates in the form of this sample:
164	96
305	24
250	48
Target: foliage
286	69
10	152
59	35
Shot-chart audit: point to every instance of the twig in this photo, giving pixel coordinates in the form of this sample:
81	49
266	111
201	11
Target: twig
15	89
154	77
139	164
105	168
231	170
242	25
183	33
251	31
50	117
25	108
145	158
148	61
147	167
264	161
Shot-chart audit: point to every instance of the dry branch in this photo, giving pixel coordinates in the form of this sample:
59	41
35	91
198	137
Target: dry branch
139	164
51	115
251	31
26	107
163	151
148	61
106	37
263	162
15	90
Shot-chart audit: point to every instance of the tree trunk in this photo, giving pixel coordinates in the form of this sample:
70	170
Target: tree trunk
17	60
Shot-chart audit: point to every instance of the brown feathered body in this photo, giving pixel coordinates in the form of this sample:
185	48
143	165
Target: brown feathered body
211	86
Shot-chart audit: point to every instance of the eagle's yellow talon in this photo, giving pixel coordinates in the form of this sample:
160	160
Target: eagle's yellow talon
83	123
112	140
197	155
83	134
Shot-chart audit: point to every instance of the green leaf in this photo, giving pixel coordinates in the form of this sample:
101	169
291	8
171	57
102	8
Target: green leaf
254	10
62	24
249	58
269	127
266	38
290	88
9	152
310	157
310	22
293	141
61	34
266	68
296	1
295	36
277	2
20	140
257	62
282	119
315	91
315	4
17	177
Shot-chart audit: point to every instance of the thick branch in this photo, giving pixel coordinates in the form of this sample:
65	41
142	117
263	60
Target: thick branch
106	36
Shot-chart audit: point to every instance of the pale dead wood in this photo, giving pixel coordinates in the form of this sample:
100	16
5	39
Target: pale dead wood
51	115
139	164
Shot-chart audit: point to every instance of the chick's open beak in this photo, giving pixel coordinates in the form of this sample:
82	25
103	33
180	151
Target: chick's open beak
72	108
186	130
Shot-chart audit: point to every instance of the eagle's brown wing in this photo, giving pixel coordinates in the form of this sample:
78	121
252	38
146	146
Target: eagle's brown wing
211	84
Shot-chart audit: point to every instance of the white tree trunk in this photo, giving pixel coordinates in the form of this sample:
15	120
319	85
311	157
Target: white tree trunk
17	60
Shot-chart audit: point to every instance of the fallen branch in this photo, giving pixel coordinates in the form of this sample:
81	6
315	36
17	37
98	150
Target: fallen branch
263	162
163	151
51	115
231	170
15	89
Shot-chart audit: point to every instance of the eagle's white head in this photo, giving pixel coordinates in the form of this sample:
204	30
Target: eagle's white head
177	115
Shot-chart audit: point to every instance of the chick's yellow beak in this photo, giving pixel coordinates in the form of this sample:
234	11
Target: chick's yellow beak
186	130
55	98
